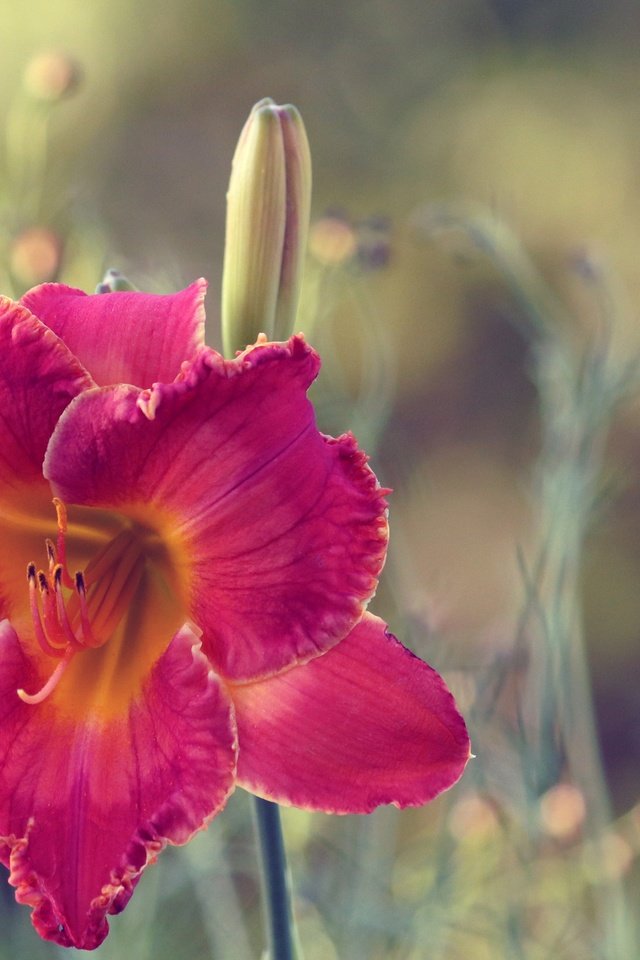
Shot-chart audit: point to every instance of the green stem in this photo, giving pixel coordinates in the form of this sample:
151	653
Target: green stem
275	886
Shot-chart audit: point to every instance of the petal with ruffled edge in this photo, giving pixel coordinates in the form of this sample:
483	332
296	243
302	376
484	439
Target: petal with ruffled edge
281	531
365	724
38	378
124	337
85	807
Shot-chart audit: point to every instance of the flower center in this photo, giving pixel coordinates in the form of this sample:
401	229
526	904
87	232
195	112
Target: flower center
79	613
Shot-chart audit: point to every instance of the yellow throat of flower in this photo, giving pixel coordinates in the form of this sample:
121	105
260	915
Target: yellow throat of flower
105	625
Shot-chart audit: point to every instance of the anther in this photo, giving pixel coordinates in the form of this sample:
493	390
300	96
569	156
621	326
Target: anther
88	637
51	553
52	624
41	636
61	610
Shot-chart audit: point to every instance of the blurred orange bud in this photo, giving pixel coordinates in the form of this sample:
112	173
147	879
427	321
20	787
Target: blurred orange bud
562	811
473	817
332	240
35	255
616	856
51	76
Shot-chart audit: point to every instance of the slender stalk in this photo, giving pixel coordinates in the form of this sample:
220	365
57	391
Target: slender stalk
580	383
580	388
275	883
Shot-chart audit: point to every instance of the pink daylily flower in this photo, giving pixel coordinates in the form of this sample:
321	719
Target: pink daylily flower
185	565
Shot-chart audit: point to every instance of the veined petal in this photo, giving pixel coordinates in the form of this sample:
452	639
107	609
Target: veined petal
38	378
365	724
85	807
282	531
124	337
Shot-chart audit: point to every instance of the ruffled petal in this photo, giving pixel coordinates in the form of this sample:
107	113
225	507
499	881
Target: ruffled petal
124	337
365	724
38	378
282	531
85	807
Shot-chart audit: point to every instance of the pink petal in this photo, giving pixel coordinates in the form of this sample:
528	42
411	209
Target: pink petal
124	337
365	724
283	531
38	378
86	806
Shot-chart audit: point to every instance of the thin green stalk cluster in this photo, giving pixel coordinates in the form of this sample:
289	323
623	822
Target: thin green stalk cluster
548	727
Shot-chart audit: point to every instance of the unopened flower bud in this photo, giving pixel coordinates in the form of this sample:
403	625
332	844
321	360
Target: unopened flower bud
268	206
34	256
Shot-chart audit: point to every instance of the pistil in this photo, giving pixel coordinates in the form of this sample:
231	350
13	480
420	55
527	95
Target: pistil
61	517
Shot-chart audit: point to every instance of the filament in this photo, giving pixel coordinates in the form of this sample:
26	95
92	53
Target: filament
52	682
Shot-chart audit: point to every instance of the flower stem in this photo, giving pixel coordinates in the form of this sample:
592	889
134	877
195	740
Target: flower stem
275	885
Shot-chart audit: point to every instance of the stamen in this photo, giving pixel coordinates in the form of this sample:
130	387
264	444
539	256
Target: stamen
88	637
63	618
52	682
41	636
51	553
51	623
64	624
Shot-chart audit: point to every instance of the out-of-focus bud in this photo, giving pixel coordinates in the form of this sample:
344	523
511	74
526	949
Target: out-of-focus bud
332	240
34	256
268	205
51	76
374	243
562	810
113	282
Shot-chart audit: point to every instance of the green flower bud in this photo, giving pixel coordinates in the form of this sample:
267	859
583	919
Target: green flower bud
268	205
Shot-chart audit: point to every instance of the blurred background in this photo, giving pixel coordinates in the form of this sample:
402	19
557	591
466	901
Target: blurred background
472	284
